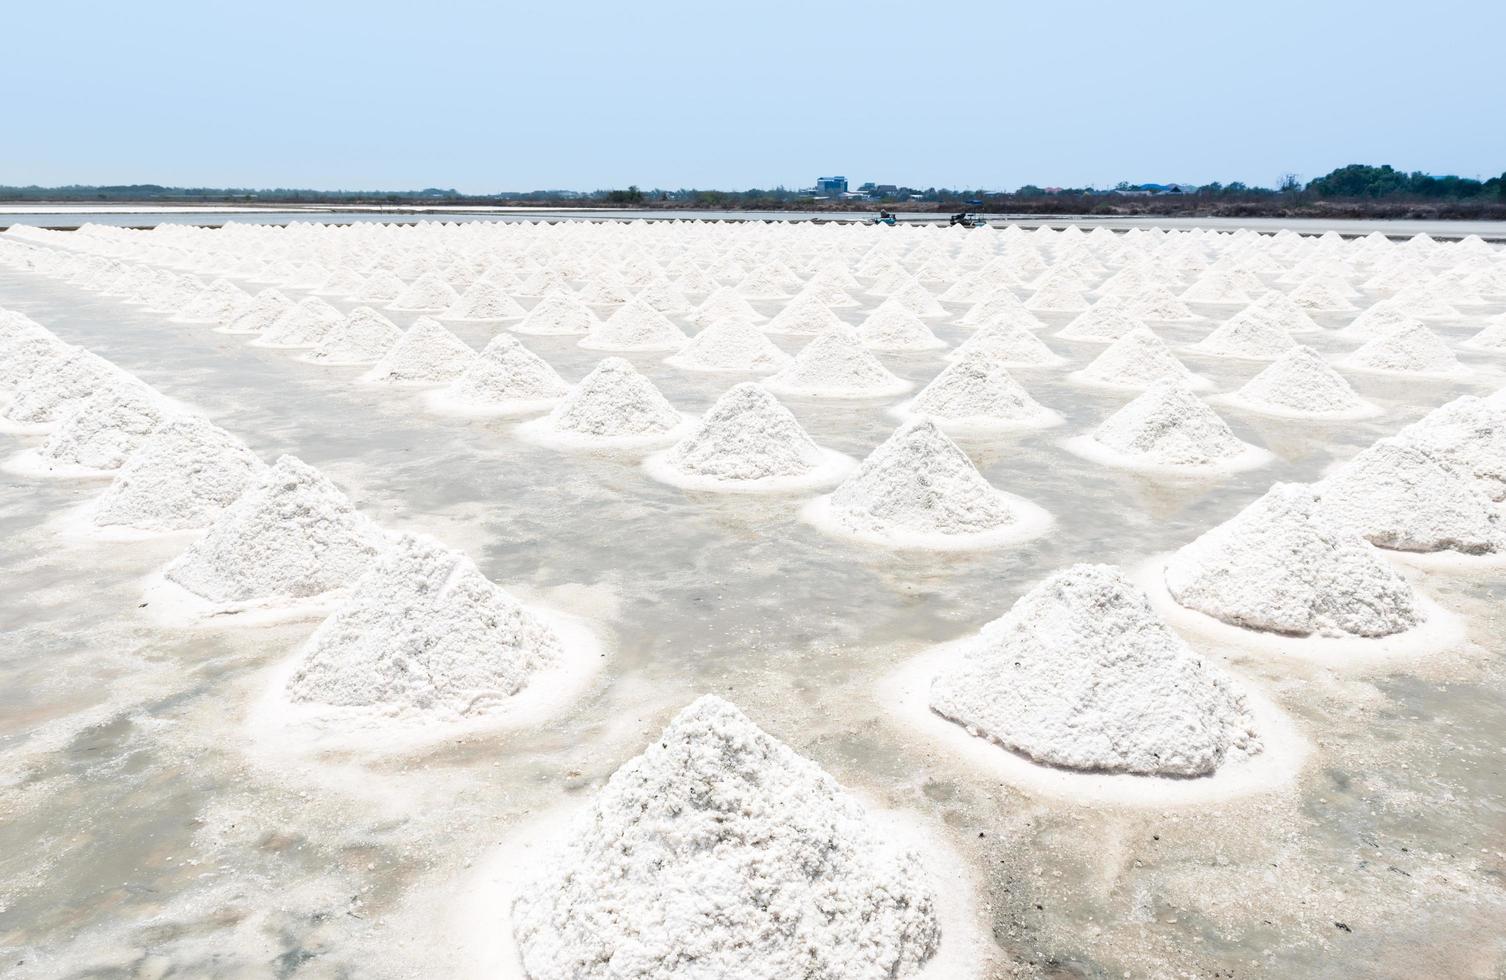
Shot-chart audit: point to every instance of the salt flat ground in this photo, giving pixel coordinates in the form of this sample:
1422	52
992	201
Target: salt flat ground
140	835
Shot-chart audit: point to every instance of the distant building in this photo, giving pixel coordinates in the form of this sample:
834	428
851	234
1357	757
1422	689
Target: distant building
831	185
1156	190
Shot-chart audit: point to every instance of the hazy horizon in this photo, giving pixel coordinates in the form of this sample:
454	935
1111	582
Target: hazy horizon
582	97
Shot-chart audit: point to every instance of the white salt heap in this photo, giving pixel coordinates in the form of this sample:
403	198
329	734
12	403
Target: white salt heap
1468	434
426	353
109	425
917	489
292	535
614	404
1169	426
361	338
300	325
1283	565
806	315
835	365
505	378
1081	674
1300	384
730	344
635	326
1103	322
1378	321
1409	349
484	301
1248	336
746	441
558	313
1492	338
1401	497
428	293
59	385
1138	360
1009	345
976	391
806	884
423	635
894	327
180	477
263	310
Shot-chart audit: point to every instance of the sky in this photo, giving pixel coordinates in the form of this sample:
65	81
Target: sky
523	95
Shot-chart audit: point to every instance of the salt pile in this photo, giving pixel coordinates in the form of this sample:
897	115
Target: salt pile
361	338
614	405
806	883
635	326
483	301
1009	345
977	392
1157	303
1409	349
293	535
1492	338
1300	384
1469	434
265	307
1082	674
1283	565
59	384
806	315
1103	322
1318	295
1248	336
219	302
919	490
1401	497
423	635
747	441
426	353
505	378
730	345
893	327
1378	321
558	313
1138	360
103	432
835	365
1168	427
1279	309
723	304
426	294
181	477
300	325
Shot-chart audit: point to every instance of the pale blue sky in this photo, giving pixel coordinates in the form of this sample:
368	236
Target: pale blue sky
486	96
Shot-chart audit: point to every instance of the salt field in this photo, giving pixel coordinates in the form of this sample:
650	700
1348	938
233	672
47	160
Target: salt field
613	600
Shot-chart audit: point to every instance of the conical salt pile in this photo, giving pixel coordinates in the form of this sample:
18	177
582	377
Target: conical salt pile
1002	303
1057	296
109	425
1401	497
1103	322
1138	360
918	489
1157	303
806	315
181	477
1248	336
1009	345
1170	426
301	325
1469	434
423	634
1283	565
635	326
1300	384
265	307
1317	295
29	351
361	338
613	405
893	327
505	378
558	313
1082	674
426	353
976	392
219	302
1492	338
1378	321
723	304
58	386
835	365
428	294
1409	349
730	345
805	883
292	535
484	301
746	441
